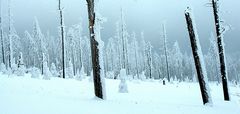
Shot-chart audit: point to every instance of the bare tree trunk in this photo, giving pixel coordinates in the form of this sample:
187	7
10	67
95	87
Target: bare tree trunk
221	50
165	51
1	34
197	58
95	52
10	59
136	56
123	43
149	59
62	36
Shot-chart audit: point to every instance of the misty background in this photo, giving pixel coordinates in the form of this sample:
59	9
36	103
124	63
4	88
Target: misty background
140	15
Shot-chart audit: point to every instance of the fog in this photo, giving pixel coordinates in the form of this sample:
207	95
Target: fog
140	15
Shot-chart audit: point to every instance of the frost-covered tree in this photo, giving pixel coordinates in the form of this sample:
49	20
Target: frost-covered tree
198	58
118	49
53	70
143	54
70	71
35	72
21	67
110	55
124	42
10	32
71	51
136	54
165	48
149	60
81	74
212	61
46	73
157	66
80	42
177	61
30	50
3	68
123	88
85	55
40	45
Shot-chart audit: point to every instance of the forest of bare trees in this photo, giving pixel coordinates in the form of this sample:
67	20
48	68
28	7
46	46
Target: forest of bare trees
73	55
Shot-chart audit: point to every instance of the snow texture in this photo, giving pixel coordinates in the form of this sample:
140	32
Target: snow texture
24	95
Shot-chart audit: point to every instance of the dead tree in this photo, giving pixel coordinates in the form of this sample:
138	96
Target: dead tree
166	51
197	55
98	84
10	52
221	49
123	41
1	34
62	36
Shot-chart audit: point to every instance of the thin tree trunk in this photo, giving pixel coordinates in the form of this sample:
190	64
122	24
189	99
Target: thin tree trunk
221	50
95	52
10	34
1	34
136	58
165	52
62	36
197	58
124	46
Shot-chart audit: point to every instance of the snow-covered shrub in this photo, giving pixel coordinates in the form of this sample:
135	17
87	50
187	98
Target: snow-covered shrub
142	76
110	75
35	72
46	73
53	70
3	68
81	75
21	68
123	88
70	72
130	77
14	68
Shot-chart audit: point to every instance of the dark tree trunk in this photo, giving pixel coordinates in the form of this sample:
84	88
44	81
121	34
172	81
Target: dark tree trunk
98	87
42	63
62	37
221	50
199	66
1	35
9	35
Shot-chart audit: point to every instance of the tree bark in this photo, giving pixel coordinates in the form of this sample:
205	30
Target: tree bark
95	52
62	36
1	35
199	66
221	50
10	56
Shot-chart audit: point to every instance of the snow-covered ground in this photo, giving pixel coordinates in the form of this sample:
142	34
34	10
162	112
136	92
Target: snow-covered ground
25	95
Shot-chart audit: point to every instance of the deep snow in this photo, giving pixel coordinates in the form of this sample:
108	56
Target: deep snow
26	95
